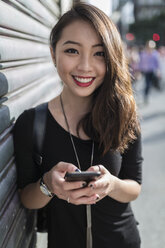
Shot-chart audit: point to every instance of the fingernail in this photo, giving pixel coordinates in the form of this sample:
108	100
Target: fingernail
98	197
84	184
77	170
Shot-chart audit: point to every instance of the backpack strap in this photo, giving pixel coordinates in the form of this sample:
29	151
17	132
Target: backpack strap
39	127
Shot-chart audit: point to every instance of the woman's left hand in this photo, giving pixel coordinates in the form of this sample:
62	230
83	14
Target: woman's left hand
105	184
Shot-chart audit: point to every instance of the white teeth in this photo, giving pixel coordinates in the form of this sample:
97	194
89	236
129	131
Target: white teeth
84	80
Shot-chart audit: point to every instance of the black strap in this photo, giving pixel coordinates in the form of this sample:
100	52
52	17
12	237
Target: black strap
39	131
39	127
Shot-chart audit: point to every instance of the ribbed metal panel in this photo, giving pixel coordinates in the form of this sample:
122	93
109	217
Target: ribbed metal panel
10	213
40	10
8	179
17	49
27	78
6	152
52	6
23	75
14	19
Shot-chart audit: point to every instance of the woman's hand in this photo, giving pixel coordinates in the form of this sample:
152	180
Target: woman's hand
72	192
105	184
79	192
124	191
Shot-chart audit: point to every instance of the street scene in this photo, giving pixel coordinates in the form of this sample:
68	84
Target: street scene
149	207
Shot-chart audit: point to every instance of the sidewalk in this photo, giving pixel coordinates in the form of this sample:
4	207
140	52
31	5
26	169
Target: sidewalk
149	207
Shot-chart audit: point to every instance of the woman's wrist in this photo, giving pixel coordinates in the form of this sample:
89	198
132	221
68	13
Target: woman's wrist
113	185
32	197
44	187
124	190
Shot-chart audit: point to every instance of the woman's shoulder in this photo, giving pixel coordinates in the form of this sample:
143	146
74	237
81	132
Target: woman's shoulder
27	116
23	126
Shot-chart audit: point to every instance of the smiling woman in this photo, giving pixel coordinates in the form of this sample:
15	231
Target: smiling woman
91	126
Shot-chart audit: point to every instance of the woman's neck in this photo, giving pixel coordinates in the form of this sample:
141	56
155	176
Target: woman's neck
75	105
75	108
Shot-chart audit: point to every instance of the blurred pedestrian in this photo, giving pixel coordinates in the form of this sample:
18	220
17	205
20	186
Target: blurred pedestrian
162	65
149	66
133	60
92	125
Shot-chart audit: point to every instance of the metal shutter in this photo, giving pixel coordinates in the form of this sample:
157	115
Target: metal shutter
27	78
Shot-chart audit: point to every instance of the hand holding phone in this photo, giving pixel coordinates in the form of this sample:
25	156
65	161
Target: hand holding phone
86	176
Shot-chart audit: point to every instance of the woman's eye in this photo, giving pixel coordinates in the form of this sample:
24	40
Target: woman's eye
102	54
71	50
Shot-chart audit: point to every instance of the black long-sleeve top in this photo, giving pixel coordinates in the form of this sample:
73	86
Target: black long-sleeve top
113	223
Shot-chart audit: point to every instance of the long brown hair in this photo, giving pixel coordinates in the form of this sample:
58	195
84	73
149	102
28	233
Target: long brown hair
112	121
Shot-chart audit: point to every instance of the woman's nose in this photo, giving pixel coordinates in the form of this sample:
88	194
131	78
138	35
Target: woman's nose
85	64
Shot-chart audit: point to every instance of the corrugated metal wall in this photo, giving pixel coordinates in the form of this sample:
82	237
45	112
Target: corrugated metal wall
27	77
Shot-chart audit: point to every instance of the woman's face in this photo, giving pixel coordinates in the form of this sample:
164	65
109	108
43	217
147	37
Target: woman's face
79	58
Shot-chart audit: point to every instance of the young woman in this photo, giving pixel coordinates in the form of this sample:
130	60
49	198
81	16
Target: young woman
92	125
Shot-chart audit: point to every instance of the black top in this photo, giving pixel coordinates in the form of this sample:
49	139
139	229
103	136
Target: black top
113	223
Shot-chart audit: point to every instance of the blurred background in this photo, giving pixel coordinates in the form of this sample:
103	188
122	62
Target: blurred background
28	77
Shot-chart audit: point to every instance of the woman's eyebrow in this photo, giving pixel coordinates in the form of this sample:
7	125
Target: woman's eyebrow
79	44
98	45
71	42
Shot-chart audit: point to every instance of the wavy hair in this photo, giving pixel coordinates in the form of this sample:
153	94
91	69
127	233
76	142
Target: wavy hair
113	120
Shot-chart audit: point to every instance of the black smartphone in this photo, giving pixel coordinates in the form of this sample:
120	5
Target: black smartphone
86	176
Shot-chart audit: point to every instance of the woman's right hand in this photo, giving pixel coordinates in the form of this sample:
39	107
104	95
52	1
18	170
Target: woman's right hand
54	179
73	192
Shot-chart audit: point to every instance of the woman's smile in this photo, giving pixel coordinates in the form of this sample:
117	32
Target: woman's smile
83	81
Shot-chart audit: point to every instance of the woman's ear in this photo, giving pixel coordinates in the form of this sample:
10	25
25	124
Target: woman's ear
53	55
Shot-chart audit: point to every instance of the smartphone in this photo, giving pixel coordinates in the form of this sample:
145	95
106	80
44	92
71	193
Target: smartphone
86	176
